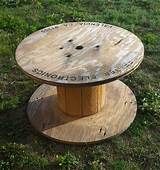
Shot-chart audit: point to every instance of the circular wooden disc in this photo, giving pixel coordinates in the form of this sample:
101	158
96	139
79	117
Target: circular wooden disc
115	117
79	53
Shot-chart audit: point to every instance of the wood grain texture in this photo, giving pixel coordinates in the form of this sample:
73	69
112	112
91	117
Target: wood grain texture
81	101
79	54
116	116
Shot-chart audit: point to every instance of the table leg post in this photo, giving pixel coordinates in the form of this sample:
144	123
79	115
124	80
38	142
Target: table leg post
81	101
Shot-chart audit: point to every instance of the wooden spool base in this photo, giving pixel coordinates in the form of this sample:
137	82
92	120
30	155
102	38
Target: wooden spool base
116	116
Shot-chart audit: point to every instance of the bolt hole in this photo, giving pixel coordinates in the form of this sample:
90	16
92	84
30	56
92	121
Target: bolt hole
61	48
100	129
97	46
79	47
68	55
70	40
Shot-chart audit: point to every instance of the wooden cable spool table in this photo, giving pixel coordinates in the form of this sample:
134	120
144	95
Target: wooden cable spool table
82	59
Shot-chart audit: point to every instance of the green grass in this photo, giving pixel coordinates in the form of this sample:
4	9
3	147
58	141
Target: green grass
20	146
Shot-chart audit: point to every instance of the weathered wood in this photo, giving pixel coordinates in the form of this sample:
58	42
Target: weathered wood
81	101
118	113
78	58
79	54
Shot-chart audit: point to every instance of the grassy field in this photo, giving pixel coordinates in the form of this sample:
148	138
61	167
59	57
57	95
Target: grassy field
20	146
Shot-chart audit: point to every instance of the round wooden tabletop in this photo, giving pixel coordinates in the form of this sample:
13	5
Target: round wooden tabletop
79	53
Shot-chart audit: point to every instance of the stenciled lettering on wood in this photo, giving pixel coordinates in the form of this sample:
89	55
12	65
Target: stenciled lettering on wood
79	23
80	77
63	77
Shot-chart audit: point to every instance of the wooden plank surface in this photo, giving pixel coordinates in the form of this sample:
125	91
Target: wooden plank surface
81	101
73	101
79	53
